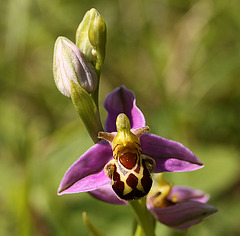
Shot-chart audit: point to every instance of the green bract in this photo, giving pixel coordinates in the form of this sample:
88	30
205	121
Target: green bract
87	110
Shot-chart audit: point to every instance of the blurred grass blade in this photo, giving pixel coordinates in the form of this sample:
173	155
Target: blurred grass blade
93	231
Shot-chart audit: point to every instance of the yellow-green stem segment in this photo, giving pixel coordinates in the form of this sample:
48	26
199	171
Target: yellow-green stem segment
145	220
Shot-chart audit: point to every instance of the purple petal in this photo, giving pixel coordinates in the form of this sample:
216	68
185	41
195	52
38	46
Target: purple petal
122	100
184	215
87	173
89	183
185	193
106	194
170	156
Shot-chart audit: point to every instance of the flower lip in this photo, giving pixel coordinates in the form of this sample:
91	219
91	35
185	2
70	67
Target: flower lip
129	172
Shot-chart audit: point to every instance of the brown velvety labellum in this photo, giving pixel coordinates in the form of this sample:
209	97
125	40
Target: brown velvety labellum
128	160
146	180
133	195
118	185
132	181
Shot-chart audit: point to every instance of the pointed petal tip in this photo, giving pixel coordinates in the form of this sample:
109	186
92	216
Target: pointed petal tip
212	210
199	162
198	165
59	191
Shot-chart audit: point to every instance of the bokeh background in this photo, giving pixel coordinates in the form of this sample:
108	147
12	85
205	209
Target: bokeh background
182	60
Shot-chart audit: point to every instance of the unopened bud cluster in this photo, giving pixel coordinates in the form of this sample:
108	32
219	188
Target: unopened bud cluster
79	63
91	37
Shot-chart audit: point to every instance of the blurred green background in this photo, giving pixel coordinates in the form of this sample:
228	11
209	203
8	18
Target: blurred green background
182	60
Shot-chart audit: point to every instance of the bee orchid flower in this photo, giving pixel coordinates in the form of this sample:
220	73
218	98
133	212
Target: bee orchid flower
178	207
97	169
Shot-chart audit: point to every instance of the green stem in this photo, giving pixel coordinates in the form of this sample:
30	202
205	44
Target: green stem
95	94
146	222
139	231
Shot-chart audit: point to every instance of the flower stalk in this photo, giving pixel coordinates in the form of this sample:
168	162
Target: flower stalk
145	220
139	231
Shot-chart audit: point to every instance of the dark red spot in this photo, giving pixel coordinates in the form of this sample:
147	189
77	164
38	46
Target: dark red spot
128	160
118	185
132	181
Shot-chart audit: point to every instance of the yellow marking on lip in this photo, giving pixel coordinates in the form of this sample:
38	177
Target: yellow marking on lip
123	178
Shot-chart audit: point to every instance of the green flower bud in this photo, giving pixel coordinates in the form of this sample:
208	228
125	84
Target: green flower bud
91	37
69	63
